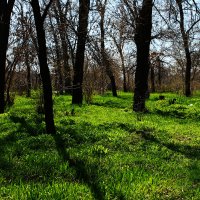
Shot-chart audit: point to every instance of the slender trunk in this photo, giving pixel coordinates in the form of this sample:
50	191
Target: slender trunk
159	72
28	78
187	51
142	40
67	71
44	70
58	60
9	78
124	72
188	73
152	79
105	59
77	95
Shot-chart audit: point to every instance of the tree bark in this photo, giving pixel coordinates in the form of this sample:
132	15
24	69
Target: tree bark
44	70
187	51
105	59
5	15
152	79
77	94
124	73
142	40
59	87
28	78
62	31
158	63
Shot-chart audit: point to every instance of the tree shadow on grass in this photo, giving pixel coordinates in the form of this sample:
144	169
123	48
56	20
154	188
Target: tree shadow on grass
5	142
110	104
191	152
32	130
83	174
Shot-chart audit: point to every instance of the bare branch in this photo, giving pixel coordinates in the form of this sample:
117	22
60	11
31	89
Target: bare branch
46	10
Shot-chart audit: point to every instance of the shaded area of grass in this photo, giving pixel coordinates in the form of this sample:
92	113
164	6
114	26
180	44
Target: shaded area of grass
101	152
83	174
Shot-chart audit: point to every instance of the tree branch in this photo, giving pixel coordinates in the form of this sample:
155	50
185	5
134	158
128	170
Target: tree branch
46	10
192	26
9	9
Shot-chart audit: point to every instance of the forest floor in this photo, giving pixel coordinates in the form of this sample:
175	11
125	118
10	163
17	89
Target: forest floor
103	151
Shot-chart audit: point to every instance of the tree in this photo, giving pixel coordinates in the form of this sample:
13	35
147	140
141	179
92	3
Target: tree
24	33
77	94
142	40
63	27
119	42
58	59
44	70
6	8
185	37
101	7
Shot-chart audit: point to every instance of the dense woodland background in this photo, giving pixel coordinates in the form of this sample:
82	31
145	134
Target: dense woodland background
88	47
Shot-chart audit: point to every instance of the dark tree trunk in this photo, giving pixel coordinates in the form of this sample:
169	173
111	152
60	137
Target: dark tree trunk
4	32
113	85
124	75
142	40
77	94
28	78
63	31
188	73
58	60
44	70
111	76
105	60
5	15
187	51
158	63
152	79
9	78
123	67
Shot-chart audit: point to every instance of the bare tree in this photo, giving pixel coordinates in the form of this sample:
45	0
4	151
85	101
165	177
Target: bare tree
44	70
101	7
6	8
185	37
60	15
77	95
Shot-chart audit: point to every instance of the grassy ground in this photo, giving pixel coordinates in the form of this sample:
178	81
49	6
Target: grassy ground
104	151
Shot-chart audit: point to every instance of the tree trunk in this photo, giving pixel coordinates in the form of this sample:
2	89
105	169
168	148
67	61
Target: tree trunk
28	78
63	31
188	73
124	73
58	60
142	40
152	79
5	14
158	63
105	59
187	51
77	95
4	32
44	70
9	78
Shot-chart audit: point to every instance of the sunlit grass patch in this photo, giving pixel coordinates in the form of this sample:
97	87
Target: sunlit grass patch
101	151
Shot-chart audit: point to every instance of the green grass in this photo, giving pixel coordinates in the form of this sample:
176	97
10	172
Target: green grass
104	151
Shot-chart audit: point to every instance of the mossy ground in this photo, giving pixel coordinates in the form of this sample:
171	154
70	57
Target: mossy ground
103	151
